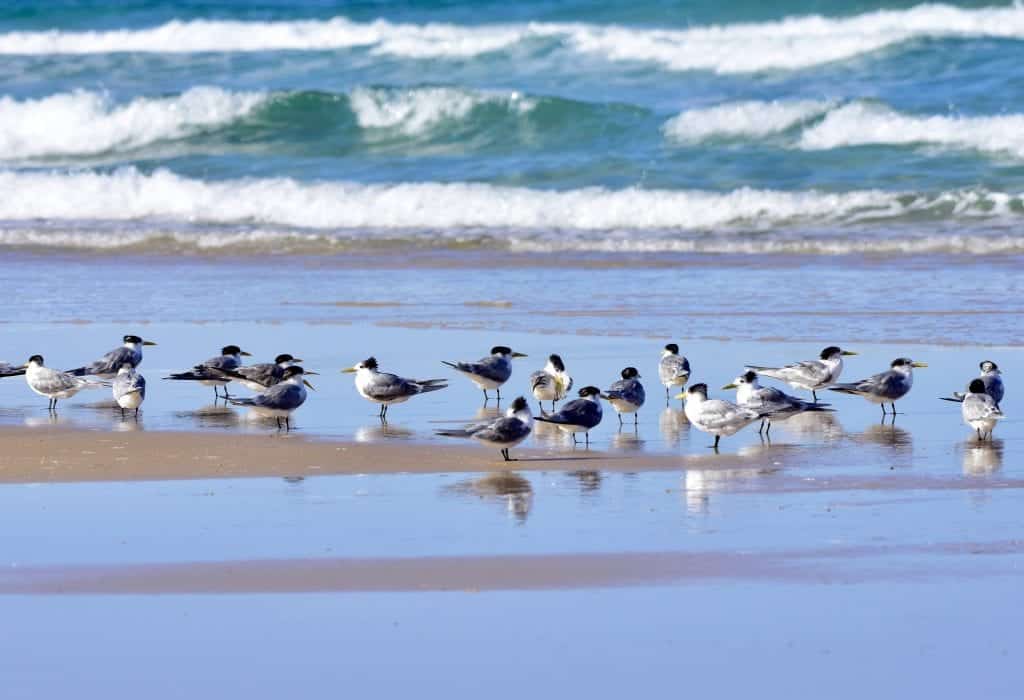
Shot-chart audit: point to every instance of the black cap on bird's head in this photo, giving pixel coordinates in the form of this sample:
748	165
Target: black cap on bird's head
292	371
672	348
750	376
989	366
519	404
501	350
284	357
132	339
906	363
977	387
829	352
233	350
556	362
369	363
630	373
701	389
589	391
38	359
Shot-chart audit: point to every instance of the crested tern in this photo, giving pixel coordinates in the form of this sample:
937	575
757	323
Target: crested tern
716	417
673	369
885	387
778	405
991	377
211	372
110	364
262	376
129	388
627	394
579	415
488	372
280	400
387	389
809	375
979	410
552	383
54	384
504	432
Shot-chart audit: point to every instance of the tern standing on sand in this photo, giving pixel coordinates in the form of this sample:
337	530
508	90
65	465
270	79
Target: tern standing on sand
54	384
809	375
129	389
281	400
504	433
212	371
488	372
552	383
716	416
626	395
885	387
387	389
673	369
579	415
110	364
777	404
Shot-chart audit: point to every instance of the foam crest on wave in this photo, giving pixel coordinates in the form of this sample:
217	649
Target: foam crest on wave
859	124
792	43
415	111
84	122
749	118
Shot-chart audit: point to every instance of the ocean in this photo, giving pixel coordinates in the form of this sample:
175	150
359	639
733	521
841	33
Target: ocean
803	127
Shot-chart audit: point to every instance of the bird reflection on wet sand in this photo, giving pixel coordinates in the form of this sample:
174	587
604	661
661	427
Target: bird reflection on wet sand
214	415
982	458
673	425
510	488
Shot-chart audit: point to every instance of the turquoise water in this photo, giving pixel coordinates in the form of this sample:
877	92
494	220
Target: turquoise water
798	127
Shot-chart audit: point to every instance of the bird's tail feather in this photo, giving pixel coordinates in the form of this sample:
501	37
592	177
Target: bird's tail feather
845	388
240	402
427	388
78	371
454	432
453	365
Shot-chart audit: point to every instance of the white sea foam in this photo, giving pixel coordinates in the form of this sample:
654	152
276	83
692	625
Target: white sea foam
83	122
416	110
129	194
864	123
792	43
751	118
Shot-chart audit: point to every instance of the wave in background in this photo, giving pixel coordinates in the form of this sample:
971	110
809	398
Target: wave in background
165	212
791	43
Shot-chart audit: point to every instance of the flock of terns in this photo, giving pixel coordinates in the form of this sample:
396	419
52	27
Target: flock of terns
280	389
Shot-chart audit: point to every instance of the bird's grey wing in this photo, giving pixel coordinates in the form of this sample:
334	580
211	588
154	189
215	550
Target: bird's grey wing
810	371
540	379
281	396
220	362
577	412
112	361
7	370
674	366
53	382
977	407
617	389
266	373
503	430
389	386
493	368
720	414
994	387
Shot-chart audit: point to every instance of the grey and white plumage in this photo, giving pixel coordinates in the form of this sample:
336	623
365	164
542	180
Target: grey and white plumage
488	372
504	432
280	400
775	405
809	375
54	384
387	389
979	410
108	366
716	417
626	395
263	375
991	377
673	368
552	383
129	388
213	372
885	387
579	415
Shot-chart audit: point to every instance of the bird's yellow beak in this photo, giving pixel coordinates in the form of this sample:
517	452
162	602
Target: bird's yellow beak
519	354
308	384
918	364
350	370
24	366
148	342
729	386
243	353
680	396
847	352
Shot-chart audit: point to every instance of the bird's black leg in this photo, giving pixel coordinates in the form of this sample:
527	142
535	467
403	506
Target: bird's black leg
279	422
815	395
586	436
667	396
498	390
122	413
540	407
893	404
288	423
486	397
620	420
553	402
574	440
883	409
136	414
761	429
636	419
717	438
768	429
504	453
